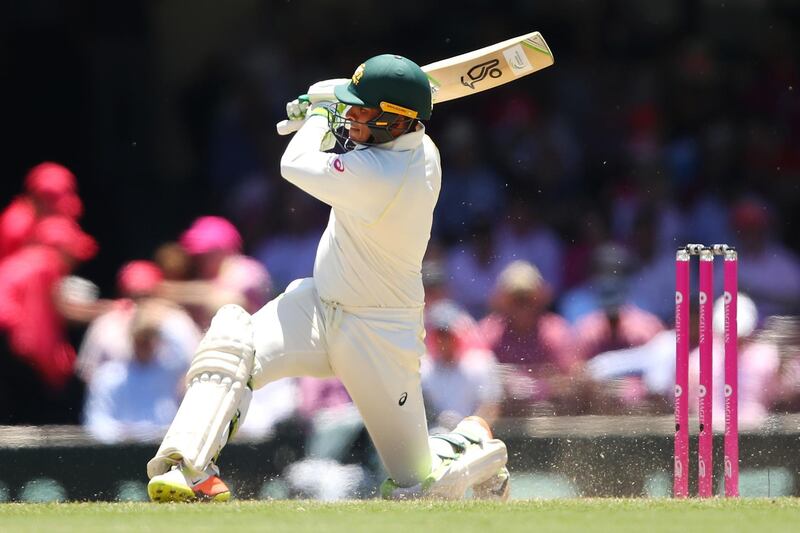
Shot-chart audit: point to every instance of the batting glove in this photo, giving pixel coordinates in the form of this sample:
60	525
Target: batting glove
297	108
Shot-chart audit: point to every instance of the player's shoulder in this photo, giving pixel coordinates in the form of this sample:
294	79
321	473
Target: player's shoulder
430	148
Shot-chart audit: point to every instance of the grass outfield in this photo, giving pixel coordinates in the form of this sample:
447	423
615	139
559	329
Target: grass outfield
636	515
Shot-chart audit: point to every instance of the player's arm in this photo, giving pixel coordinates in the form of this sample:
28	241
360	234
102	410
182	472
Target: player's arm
356	182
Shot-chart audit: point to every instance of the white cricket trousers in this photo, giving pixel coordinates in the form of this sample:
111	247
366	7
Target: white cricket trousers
375	352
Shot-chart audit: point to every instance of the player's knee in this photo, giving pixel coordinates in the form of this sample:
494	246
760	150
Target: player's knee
227	349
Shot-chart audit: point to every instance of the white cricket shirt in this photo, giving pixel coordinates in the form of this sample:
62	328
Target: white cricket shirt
382	199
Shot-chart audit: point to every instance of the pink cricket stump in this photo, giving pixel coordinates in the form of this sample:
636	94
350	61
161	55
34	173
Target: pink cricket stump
680	487
731	376
705	446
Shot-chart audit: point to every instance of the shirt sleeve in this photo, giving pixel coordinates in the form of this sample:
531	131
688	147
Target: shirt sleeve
98	413
358	182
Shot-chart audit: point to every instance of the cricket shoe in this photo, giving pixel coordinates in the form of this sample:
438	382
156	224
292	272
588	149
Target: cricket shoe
497	487
179	485
468	457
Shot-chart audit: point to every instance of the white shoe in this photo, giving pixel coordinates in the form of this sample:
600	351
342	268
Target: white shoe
497	487
466	458
178	485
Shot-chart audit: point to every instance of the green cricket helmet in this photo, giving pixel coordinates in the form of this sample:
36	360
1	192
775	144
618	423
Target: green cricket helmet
391	83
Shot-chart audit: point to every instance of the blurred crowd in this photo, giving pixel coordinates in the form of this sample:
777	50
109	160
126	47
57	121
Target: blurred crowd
549	278
505	337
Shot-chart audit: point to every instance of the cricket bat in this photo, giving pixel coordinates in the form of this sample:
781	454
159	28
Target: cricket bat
467	74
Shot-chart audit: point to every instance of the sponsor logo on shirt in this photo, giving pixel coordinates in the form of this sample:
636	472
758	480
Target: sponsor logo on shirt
337	164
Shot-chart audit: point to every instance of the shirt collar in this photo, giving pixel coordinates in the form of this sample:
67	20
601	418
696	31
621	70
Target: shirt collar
407	141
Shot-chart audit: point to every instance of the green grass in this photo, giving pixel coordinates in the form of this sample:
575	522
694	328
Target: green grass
295	516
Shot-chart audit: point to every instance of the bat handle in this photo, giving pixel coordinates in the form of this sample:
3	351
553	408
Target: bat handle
286	127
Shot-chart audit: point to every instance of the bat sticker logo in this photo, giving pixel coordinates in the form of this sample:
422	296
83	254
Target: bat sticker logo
517	60
480	71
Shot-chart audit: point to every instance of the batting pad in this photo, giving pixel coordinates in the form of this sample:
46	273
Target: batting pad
217	385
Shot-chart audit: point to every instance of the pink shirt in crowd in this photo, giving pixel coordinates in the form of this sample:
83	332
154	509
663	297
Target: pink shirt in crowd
758	369
16	225
594	333
35	330
549	343
317	394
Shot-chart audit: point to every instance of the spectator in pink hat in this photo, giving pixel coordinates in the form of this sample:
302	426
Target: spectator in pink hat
139	278
37	355
210	240
221	273
50	189
64	235
108	337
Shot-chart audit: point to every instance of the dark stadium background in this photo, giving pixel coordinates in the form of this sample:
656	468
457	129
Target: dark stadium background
123	92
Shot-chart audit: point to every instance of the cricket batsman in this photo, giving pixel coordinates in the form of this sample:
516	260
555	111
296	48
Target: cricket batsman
359	318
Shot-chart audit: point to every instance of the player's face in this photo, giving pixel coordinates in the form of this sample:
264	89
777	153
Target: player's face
359	132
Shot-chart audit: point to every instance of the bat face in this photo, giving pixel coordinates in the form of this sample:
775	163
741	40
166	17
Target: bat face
488	67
